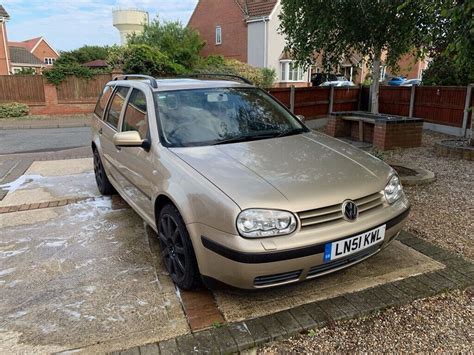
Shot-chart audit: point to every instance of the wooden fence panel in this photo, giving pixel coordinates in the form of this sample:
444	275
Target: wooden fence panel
346	99
282	94
395	100
312	102
440	104
27	89
82	90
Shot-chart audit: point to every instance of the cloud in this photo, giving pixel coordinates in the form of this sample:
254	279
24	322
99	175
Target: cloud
71	24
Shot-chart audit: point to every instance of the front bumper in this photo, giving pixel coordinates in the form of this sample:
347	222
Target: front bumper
252	270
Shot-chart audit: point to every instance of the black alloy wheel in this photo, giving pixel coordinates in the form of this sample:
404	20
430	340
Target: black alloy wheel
176	249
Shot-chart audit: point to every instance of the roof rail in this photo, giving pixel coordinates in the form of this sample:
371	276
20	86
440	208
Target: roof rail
152	80
197	75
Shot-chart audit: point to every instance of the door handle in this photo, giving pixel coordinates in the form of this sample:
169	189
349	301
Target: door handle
100	130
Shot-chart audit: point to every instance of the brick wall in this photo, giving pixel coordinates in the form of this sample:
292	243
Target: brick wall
383	135
225	13
389	135
53	107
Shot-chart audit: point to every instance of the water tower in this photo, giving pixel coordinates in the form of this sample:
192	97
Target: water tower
128	21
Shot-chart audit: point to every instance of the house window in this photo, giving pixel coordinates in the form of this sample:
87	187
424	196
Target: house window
290	71
218	35
49	61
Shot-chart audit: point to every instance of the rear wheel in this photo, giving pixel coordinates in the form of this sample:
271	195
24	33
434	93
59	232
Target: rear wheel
103	183
177	250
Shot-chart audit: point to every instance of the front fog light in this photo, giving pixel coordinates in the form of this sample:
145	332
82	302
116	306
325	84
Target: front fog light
394	190
257	223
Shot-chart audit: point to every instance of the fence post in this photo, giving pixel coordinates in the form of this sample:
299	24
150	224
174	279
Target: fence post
292	99
467	105
412	101
359	98
331	99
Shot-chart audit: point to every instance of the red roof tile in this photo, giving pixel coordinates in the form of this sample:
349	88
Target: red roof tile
28	44
257	8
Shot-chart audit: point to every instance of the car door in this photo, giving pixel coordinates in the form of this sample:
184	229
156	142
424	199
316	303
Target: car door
108	127
135	163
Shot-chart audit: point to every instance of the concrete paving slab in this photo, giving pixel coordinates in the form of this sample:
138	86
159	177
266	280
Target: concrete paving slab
398	261
61	167
50	181
83	277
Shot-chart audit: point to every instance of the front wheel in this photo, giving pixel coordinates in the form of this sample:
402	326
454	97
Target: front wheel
177	250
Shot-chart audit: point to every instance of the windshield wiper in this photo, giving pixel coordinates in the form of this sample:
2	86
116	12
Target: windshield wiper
291	132
247	138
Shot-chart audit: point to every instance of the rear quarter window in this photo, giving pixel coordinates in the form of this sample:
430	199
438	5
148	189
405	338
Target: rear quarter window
102	102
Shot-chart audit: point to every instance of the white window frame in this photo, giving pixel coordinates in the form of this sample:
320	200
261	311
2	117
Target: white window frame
49	60
218	35
285	72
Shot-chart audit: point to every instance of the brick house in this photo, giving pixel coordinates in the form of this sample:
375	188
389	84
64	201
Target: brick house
40	48
246	30
35	53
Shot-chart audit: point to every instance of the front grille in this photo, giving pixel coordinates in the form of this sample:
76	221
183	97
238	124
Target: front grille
316	270
277	278
333	214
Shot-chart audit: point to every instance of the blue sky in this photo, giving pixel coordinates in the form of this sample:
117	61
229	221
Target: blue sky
68	24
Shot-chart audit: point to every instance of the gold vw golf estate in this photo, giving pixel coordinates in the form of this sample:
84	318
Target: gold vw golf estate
237	188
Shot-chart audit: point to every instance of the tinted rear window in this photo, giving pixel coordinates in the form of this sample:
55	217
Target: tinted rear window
103	99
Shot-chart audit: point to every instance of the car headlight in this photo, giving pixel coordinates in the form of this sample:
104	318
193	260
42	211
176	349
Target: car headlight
257	223
394	190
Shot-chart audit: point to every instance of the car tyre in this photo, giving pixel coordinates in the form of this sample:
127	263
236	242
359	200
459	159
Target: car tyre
177	250
103	183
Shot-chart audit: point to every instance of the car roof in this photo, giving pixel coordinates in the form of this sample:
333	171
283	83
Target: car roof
185	84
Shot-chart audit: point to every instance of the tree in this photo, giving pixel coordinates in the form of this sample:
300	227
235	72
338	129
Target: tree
340	28
452	44
181	44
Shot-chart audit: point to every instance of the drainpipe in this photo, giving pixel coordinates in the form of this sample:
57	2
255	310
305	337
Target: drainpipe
265	42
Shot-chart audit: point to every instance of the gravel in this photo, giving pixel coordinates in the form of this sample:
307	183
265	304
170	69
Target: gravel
444	323
442	212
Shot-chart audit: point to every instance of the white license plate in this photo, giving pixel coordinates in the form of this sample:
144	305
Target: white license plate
348	246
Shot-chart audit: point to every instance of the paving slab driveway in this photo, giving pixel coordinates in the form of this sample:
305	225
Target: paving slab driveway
81	275
87	275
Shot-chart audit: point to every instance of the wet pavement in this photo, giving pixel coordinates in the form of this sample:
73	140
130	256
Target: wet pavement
82	275
88	276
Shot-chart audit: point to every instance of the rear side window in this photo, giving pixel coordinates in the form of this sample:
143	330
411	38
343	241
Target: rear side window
136	118
116	106
103	99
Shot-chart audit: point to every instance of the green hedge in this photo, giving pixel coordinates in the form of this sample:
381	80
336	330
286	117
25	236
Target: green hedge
13	109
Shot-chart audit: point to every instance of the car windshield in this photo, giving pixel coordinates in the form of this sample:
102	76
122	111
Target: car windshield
221	116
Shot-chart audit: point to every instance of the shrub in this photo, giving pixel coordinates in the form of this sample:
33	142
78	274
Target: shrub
26	71
58	73
143	59
13	109
217	64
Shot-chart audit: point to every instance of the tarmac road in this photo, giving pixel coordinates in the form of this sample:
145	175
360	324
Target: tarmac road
43	139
